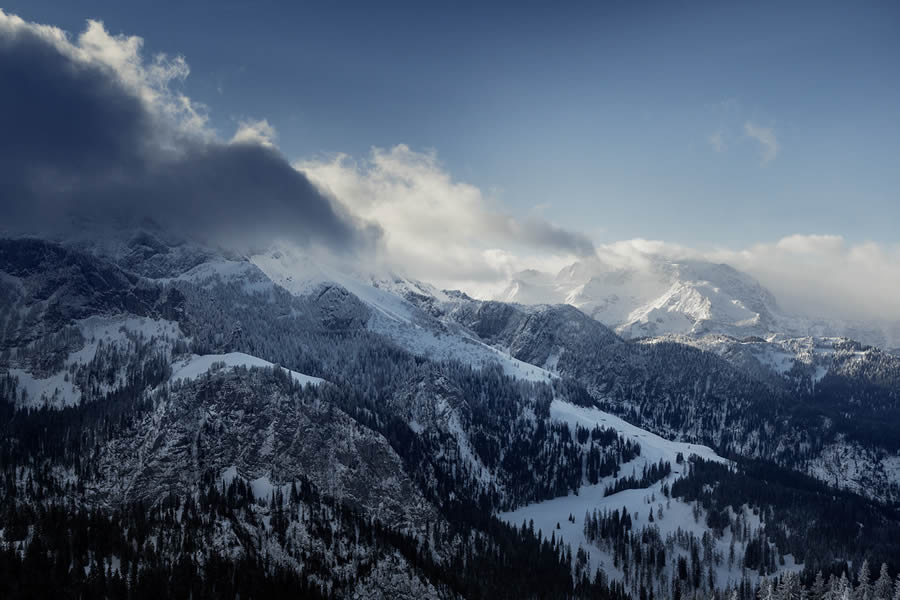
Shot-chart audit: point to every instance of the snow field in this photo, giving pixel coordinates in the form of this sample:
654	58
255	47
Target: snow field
639	502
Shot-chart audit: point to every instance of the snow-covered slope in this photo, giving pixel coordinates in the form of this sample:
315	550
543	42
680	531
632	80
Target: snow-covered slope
836	369
671	516
101	338
399	309
122	335
808	358
799	359
303	274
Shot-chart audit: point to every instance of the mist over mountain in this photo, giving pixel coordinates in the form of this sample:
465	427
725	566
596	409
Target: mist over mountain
445	231
690	296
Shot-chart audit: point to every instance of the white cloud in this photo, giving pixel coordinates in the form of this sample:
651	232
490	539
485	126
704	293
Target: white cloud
766	138
717	141
439	229
824	275
255	132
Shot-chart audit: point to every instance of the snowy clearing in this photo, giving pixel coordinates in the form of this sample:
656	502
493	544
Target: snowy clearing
676	514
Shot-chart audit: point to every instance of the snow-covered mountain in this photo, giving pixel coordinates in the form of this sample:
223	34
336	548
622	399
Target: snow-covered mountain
693	297
287	401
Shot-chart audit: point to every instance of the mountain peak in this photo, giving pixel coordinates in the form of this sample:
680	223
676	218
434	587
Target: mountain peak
660	296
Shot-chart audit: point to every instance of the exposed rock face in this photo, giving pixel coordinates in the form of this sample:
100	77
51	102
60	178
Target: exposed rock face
63	284
338	309
264	427
45	288
391	580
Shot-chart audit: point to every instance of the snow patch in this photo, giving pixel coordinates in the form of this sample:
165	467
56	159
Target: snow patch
52	392
197	365
250	277
653	447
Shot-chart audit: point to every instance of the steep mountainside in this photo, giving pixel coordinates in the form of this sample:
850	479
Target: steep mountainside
816	410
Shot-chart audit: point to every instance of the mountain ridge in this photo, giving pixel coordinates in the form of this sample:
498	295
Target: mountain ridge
429	410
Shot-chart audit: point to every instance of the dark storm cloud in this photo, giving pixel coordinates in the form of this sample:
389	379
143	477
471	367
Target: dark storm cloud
542	234
547	235
75	141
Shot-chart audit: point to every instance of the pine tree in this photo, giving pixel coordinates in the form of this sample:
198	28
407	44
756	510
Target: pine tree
766	590
789	588
883	585
843	591
817	592
831	589
864	586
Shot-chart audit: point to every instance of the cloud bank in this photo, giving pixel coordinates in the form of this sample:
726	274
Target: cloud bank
450	233
439	229
824	275
94	131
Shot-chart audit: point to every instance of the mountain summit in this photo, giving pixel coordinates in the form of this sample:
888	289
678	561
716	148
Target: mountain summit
663	296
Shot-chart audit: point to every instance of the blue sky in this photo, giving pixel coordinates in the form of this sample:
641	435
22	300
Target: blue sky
618	120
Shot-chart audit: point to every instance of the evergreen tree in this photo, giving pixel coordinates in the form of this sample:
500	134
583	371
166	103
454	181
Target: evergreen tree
883	586
863	589
817	592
